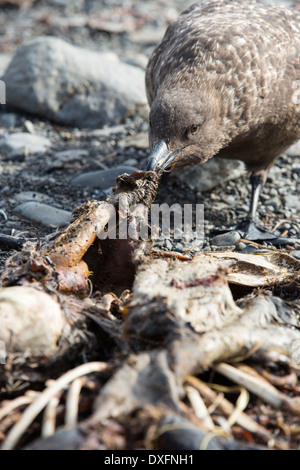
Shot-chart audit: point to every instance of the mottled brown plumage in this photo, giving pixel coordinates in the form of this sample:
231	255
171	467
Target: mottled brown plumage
223	82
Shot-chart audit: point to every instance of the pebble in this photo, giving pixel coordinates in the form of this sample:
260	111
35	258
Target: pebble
294	150
147	36
20	140
285	226
296	168
8	120
26	196
249	249
29	126
139	60
292	201
168	245
19	154
130	162
295	254
240	246
67	156
71	155
225	239
4	62
108	131
222	248
179	247
44	214
102	179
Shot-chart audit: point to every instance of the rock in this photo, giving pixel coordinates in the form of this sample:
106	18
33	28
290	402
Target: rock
73	86
294	150
210	174
4	62
26	196
139	60
295	254
130	162
249	249
44	214
273	202
296	168
240	246
29	126
19	154
108	131
101	179
66	156
71	155
292	202
147	36
8	120
22	140
168	245
225	239
285	226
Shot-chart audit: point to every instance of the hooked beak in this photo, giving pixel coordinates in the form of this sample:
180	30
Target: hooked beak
161	157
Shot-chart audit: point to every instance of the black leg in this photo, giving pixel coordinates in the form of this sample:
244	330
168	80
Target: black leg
256	185
248	227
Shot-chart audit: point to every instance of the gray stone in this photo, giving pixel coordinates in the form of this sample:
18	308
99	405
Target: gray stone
225	239
274	202
295	254
147	36
292	201
222	247
19	154
179	247
66	156
26	196
294	150
73	86
108	131
22	140
4	62
240	246
168	245
71	155
210	174
139	60
44	214
8	120
249	249
101	179
29	126
285	226
130	162
296	168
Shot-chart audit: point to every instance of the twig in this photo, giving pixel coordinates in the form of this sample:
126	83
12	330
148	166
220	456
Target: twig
72	403
17	403
199	407
278	224
43	399
49	418
226	407
258	245
259	387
